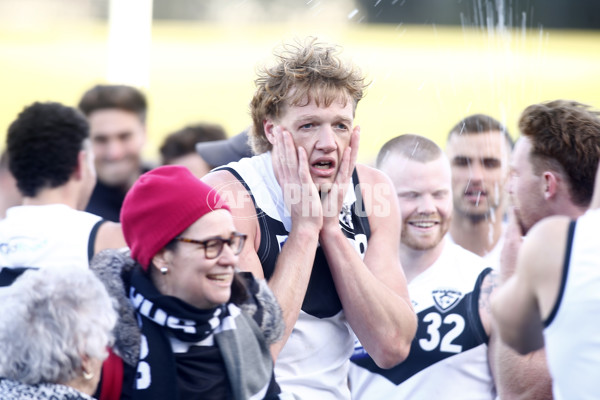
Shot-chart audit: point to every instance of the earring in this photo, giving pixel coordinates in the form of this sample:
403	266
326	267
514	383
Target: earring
87	375
164	270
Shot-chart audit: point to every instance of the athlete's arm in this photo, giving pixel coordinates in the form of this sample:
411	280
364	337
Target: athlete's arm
373	292
516	377
109	236
527	298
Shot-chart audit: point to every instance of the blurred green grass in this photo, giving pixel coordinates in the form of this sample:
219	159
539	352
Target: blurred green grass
423	78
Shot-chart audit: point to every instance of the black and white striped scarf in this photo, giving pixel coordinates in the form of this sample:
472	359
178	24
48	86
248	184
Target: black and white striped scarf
240	342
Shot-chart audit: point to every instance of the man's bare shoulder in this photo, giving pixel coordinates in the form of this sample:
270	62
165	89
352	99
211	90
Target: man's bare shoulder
545	244
541	259
233	192
110	236
368	174
219	177
380	205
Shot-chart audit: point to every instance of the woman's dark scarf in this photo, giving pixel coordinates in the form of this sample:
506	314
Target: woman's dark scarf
243	344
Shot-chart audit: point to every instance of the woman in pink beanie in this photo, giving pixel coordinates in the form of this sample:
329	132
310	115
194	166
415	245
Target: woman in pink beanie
191	325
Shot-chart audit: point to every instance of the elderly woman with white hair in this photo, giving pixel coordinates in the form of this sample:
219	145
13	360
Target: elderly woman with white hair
55	326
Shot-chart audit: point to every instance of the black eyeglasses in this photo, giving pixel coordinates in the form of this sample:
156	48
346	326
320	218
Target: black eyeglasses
214	246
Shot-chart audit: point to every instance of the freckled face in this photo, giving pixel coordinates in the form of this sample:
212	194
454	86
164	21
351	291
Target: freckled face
324	132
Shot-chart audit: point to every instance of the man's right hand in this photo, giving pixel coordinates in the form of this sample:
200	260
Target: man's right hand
299	191
513	238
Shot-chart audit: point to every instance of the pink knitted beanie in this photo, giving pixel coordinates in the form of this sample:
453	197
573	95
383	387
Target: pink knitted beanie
161	204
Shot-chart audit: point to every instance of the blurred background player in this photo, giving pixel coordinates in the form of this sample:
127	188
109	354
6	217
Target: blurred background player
221	152
117	118
479	150
179	148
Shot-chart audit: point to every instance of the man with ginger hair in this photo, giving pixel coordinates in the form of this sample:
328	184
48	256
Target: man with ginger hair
321	228
550	298
552	173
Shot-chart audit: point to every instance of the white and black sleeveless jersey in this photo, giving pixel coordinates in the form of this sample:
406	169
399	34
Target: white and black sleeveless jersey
571	333
314	361
52	235
448	356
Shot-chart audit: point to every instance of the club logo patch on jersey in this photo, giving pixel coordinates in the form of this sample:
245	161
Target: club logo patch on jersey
446	299
281	239
346	217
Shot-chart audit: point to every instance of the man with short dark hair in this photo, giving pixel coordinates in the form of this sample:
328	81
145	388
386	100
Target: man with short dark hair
117	118
220	152
479	150
51	159
179	147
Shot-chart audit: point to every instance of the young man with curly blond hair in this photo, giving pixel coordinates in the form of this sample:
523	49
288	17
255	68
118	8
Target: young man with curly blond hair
322	229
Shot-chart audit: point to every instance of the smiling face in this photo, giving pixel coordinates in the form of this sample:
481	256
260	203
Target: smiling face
191	277
425	199
479	172
324	132
117	139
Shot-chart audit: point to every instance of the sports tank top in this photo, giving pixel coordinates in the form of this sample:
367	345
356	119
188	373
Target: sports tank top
571	333
47	236
448	356
314	361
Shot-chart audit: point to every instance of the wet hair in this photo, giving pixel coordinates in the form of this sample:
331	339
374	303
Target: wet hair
410	146
122	97
183	141
565	137
304	72
480	123
43	146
